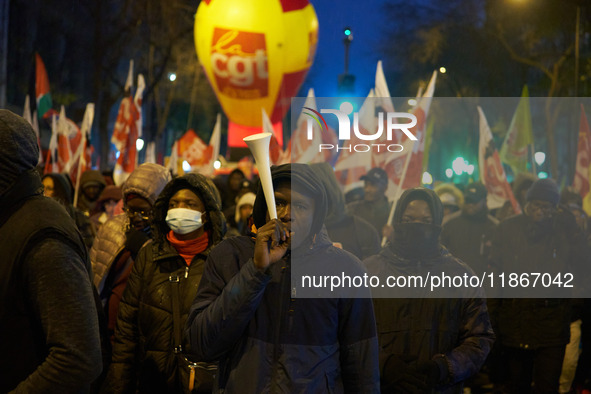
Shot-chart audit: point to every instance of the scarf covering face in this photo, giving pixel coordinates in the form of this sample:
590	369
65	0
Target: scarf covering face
417	240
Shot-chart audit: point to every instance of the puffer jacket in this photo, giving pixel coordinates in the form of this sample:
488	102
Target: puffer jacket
144	356
268	341
147	181
109	242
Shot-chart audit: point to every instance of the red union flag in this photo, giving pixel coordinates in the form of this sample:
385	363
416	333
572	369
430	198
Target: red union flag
193	150
125	135
581	181
239	63
492	173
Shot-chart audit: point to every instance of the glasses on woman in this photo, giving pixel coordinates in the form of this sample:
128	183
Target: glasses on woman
145	215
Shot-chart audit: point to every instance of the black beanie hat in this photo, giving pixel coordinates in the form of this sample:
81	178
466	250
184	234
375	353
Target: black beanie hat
544	190
19	151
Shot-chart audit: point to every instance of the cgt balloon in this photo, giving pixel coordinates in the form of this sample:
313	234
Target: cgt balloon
256	54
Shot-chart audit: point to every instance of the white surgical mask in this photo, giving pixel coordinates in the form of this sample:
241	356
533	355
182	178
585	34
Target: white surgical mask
183	221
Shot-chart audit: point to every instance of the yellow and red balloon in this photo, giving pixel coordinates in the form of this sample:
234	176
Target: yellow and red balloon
256	54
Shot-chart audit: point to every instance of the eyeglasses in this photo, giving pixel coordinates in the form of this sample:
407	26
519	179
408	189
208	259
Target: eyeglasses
544	206
145	215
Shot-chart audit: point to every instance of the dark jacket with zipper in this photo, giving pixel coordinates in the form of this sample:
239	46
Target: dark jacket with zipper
419	328
454	330
267	341
469	238
146	358
520	247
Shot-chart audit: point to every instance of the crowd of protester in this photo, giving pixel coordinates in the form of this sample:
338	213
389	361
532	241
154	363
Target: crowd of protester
184	284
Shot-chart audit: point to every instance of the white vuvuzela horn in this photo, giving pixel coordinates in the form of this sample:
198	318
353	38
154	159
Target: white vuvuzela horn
259	147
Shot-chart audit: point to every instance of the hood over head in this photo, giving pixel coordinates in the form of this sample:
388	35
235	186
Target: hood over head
147	181
304	179
334	195
416	240
19	151
62	187
92	177
419	193
209	195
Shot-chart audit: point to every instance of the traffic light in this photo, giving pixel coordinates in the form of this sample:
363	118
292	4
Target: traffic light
347	31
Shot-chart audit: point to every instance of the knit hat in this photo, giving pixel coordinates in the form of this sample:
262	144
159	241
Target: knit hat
544	190
246	199
19	151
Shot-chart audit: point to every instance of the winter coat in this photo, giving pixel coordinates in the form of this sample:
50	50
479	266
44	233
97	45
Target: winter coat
376	213
354	233
420	328
109	242
117	245
266	341
49	334
145	359
417	328
264	338
469	238
517	248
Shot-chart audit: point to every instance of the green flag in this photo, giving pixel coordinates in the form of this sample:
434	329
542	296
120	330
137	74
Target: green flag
514	151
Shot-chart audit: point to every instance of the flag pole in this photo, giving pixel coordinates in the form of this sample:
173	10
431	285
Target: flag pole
398	191
85	129
81	161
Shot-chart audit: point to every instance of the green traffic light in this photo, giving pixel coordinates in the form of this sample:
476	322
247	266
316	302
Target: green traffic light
347	32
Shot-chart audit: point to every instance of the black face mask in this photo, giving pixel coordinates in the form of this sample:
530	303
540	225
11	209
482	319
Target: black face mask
416	240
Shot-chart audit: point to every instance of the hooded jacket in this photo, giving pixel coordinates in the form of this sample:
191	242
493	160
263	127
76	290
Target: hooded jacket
90	177
147	181
144	358
49	333
422	329
355	234
265	339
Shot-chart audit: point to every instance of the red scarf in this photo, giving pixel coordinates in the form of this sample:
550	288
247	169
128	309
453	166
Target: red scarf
189	248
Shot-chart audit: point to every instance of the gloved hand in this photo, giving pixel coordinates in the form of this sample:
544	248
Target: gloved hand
400	375
434	371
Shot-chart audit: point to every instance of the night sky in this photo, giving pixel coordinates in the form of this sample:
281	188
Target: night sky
367	24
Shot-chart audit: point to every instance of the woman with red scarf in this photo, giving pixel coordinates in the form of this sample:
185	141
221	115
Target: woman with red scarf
150	354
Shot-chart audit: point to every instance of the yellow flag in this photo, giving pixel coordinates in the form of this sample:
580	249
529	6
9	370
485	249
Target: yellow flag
514	151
